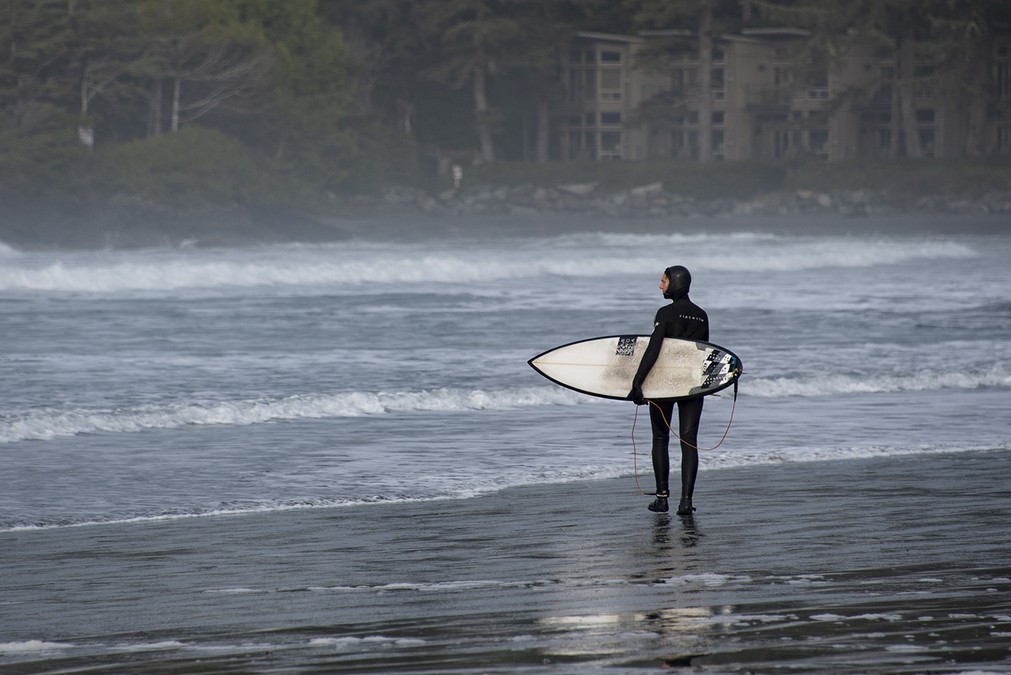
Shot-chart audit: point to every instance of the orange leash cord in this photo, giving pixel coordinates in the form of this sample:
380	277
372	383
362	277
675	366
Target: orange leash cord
635	468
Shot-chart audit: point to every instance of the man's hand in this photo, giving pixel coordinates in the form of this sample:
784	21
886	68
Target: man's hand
636	395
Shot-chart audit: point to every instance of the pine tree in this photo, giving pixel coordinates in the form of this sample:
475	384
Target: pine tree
474	40
691	23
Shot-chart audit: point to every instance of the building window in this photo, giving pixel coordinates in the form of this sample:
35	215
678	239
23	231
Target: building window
693	117
576	56
610	85
884	139
781	143
575	144
610	145
591	56
590	119
925	116
693	145
1003	81
575	91
927	142
716	83
1004	139
718	117
610	57
719	55
610	118
819	143
718	143
922	73
685	78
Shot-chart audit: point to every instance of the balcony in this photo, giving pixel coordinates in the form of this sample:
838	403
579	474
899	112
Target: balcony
767	99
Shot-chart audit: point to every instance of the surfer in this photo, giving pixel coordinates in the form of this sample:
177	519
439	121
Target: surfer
686	320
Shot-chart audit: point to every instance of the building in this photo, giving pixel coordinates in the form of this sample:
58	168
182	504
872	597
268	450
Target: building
615	107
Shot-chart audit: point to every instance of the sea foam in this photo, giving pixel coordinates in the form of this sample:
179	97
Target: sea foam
52	424
350	264
829	385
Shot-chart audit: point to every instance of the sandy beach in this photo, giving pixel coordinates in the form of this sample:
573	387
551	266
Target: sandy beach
897	564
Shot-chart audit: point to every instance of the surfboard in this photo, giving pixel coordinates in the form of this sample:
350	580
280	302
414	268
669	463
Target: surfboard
605	367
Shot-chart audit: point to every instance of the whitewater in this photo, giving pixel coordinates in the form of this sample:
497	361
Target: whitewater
177	383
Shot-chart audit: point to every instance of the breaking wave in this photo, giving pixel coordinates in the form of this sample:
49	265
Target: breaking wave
52	424
355	264
830	385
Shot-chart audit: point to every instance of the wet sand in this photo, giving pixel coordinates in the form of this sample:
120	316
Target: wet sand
898	565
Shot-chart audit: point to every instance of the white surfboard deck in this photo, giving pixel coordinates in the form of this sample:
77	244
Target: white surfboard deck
605	367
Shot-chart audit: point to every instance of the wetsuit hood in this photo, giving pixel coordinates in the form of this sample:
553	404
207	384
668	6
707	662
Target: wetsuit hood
679	280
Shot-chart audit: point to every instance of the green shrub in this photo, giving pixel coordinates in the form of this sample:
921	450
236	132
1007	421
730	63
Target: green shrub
192	167
45	157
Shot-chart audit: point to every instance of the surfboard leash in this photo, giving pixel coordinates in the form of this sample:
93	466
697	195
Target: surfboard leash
635	468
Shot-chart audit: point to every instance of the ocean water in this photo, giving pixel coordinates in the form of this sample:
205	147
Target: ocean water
334	458
171	384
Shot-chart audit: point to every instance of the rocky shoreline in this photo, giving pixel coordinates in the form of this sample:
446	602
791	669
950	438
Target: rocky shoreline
654	201
401	212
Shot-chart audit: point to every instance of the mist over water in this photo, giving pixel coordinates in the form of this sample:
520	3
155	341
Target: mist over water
181	382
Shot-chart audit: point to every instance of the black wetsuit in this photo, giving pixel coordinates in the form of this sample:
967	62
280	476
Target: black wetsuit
680	319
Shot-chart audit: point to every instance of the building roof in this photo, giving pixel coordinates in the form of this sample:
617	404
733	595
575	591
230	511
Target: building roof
609	37
781	32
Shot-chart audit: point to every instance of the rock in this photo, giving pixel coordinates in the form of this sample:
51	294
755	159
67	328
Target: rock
860	197
578	189
643	190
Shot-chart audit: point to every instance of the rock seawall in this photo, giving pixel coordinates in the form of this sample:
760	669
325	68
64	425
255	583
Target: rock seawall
654	201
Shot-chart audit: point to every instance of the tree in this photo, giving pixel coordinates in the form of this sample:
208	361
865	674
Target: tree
964	33
104	45
475	40
900	28
36	41
382	41
38	105
308	79
703	20
212	52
